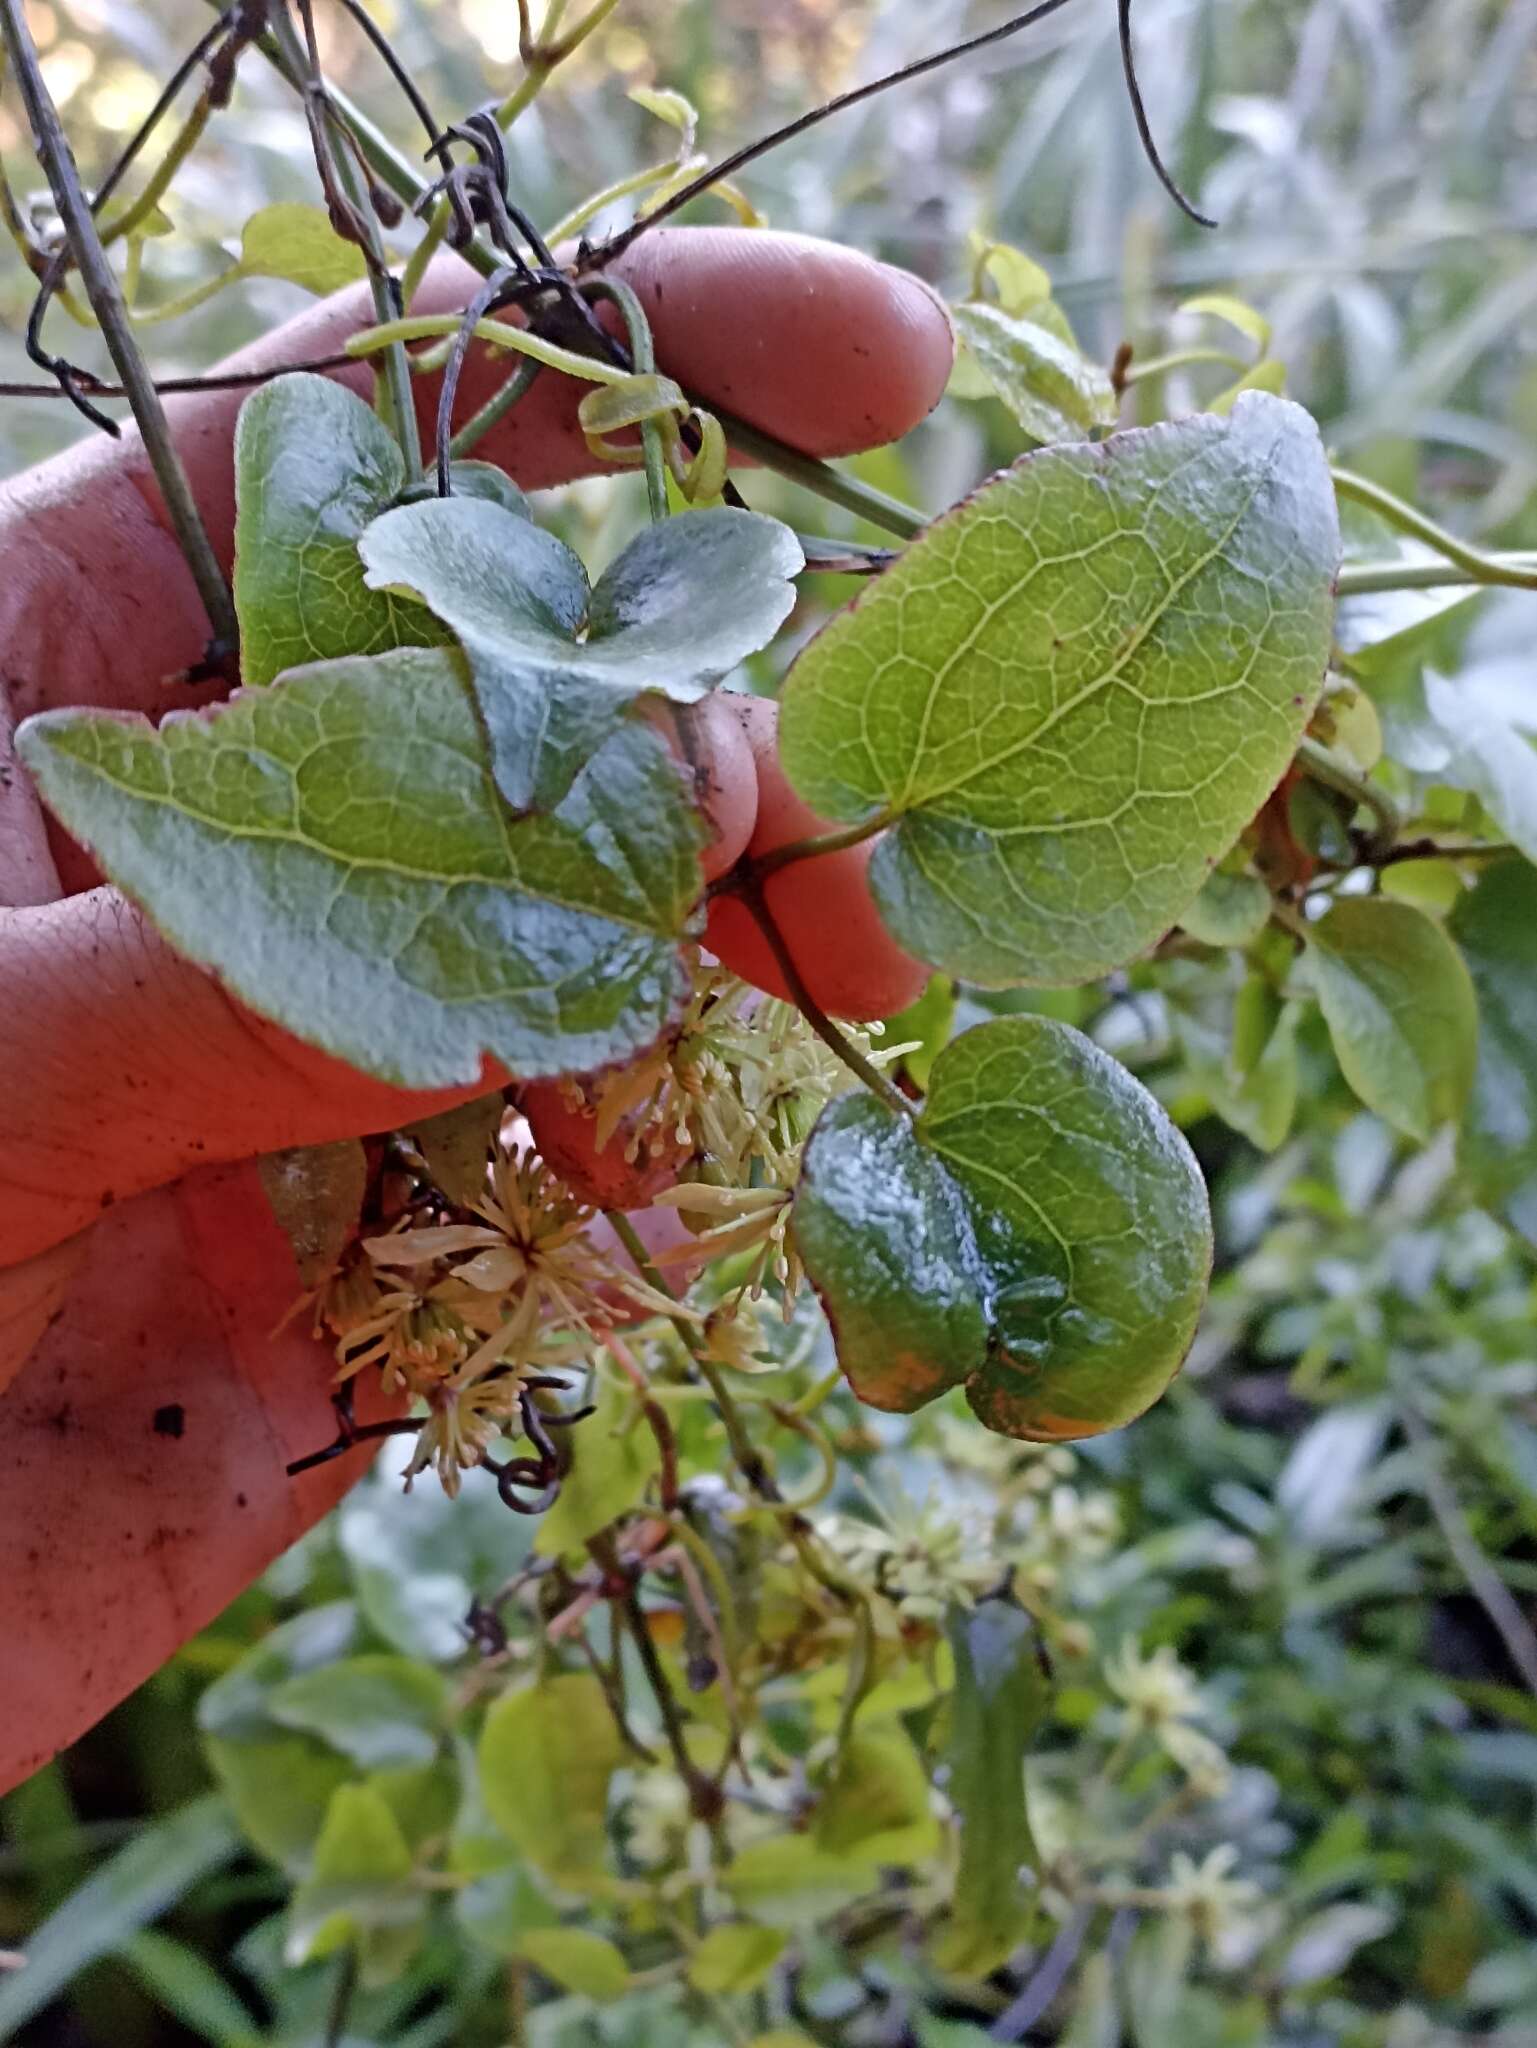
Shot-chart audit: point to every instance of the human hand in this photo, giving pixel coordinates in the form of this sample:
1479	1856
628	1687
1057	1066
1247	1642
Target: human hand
152	1410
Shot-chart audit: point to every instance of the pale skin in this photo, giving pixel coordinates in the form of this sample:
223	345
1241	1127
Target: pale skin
147	1409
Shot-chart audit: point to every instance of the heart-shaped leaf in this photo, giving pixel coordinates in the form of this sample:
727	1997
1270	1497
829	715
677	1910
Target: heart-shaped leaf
313	466
1399	1004
555	662
1071	695
1039	1233
334	849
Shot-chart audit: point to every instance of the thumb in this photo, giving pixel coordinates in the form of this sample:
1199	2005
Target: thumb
124	1066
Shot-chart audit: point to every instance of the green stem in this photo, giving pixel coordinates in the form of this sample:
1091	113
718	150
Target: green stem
1480	565
185	302
186	140
1179	359
496	407
643	363
835	485
1363	579
496	334
743	1449
106	298
766	864
622	188
1328	768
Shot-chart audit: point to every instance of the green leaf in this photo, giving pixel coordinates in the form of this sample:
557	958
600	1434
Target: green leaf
165	1859
1400	1008
499	1909
1489	724
547	1753
577	1961
890	1248
280	1784
1231	910
1073	693
999	1701
1233	312
314	465
1054	392
378	1710
554	663
613	1457
457	1146
316	1192
1040	1233
789	1881
336	852
877	1803
299	244
189	1988
668	106
924	1025
735	1958
360	1890
1496	926
1241	1052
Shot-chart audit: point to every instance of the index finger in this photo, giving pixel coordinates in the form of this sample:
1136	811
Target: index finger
818	345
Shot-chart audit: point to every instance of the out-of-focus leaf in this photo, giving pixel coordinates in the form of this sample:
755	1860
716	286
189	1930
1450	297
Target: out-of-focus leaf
613	1457
377	1710
279	1783
789	1881
547	1753
925	1026
1327	1942
735	1958
189	1988
1488	720
1000	1699
500	1909
1400	1008
1233	312
359	1890
1231	910
161	1864
418	1559
877	1802
577	1961
298	243
1496	926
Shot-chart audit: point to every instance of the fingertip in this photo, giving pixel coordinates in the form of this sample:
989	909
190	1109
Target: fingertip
820	344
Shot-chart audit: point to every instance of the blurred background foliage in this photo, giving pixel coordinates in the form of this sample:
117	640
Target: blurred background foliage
1289	1777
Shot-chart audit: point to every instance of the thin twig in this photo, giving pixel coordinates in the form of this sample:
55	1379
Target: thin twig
606	252
342	1993
105	294
225	380
1144	126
